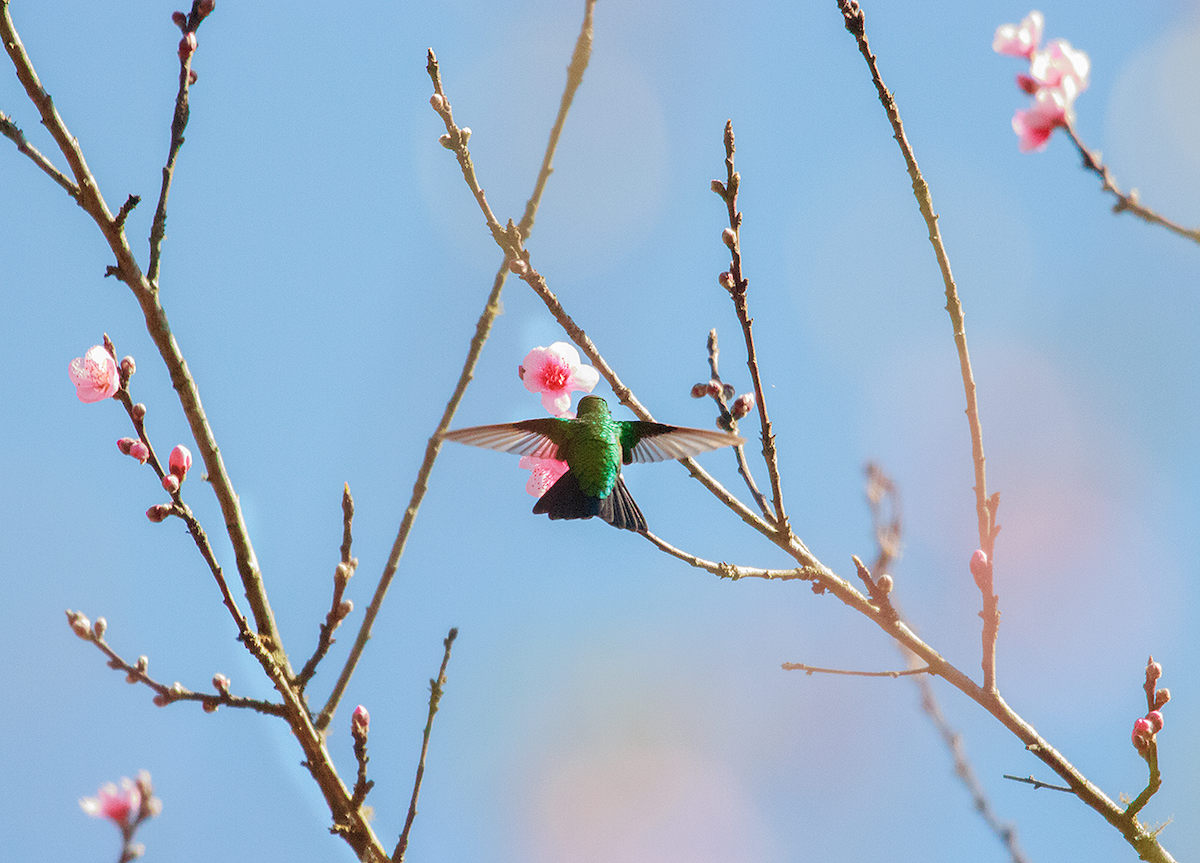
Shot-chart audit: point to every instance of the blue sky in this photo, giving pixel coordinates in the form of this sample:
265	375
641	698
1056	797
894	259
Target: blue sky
323	272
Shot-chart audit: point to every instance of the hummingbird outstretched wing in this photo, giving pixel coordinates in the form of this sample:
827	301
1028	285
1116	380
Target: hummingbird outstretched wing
539	438
643	441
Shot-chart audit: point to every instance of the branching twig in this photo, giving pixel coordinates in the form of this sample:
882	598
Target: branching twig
164	695
1126	203
437	687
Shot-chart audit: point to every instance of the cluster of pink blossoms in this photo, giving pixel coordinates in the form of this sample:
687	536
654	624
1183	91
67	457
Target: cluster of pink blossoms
555	372
1057	74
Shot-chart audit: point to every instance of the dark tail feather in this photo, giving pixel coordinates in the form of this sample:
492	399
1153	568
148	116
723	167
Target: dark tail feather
565	499
619	510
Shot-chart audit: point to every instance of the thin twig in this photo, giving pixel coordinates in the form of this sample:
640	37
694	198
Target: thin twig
1126	203
1037	783
727	422
813	669
10	130
482	329
437	686
338	607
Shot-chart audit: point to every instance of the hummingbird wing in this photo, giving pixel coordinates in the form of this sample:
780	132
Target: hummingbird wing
643	441
539	438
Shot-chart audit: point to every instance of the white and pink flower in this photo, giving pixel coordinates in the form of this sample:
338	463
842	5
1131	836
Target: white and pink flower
556	372
95	374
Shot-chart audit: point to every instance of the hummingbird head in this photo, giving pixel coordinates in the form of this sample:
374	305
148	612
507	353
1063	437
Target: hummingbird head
592	406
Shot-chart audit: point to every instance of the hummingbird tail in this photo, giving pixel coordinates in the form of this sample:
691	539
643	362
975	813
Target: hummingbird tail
565	499
619	509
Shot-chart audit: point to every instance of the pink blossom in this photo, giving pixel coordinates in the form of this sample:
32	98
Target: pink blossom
546	472
1035	124
95	375
1063	67
556	372
1019	40
1154	717
180	462
116	804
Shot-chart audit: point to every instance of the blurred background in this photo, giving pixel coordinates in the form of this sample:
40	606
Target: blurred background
324	269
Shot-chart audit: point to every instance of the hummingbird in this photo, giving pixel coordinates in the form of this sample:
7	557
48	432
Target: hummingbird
594	445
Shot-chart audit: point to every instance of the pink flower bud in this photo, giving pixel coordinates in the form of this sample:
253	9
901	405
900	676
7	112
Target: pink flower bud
345	608
446	141
138	412
715	389
128	367
159	512
718	187
170	482
518	267
187	46
80	624
140	451
221	683
981	569
1153	717
1143	734
884	583
193	77
101	624
437	102
180	462
180	19
699	391
125	444
726	281
205	7
360	722
728	237
744	405
1161	697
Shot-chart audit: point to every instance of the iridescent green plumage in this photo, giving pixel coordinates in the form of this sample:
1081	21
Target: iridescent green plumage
594	445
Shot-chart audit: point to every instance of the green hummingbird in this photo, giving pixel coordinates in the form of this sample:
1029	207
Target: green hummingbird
594	446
